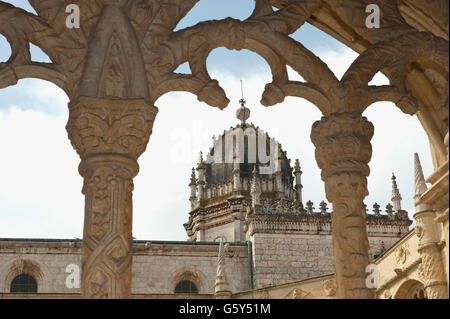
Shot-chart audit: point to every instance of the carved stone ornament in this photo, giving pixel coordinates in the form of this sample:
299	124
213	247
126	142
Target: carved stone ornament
99	126
124	56
329	287
343	151
297	293
401	254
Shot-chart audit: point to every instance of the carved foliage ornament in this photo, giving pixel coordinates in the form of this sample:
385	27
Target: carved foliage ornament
98	126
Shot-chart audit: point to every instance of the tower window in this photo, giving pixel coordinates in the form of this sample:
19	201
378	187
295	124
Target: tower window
23	283
186	287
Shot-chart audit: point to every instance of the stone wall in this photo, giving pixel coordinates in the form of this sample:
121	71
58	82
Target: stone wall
227	231
45	261
157	266
283	258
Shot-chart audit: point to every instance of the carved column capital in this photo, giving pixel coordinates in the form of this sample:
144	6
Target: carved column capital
343	151
342	143
99	127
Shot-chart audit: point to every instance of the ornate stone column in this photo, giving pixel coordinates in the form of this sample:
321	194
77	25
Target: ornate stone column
109	135
431	269
343	151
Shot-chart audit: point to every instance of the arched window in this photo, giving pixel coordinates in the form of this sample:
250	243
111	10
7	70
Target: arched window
23	283
186	287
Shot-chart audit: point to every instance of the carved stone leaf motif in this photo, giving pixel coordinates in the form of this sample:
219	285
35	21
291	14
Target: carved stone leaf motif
297	293
115	75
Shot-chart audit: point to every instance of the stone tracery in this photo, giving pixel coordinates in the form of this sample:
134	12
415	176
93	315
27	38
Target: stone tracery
118	90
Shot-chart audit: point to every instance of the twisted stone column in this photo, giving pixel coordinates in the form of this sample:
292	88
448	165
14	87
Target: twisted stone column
343	151
109	136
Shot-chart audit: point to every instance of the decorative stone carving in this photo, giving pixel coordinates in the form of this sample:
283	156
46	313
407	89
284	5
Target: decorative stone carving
98	126
431	269
343	151
401	254
329	287
107	238
297	293
127	50
109	136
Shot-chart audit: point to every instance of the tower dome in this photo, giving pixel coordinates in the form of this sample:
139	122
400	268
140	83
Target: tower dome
237	151
243	166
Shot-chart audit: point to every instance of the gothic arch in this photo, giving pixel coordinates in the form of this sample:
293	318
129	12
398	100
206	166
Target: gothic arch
409	288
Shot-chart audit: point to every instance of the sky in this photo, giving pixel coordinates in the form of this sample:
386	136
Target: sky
40	188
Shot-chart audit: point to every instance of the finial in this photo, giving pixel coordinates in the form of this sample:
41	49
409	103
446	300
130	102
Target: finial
376	209
309	207
297	166
389	210
323	207
396	197
200	157
193	179
242	113
419	180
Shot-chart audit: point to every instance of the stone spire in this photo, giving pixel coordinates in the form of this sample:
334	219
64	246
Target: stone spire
396	197
298	181
222	287
193	187
419	180
419	186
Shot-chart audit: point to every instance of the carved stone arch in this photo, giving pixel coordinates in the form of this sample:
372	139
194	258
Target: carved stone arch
408	288
28	266
220	238
192	274
391	56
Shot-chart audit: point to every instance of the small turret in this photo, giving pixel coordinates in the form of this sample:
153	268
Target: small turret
298	181
396	197
193	187
201	169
